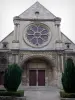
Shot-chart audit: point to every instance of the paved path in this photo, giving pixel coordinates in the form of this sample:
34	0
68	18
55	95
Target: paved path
50	94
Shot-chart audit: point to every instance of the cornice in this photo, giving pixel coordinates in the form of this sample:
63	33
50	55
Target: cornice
35	19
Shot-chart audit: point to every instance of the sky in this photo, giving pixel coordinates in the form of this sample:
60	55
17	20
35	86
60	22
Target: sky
65	9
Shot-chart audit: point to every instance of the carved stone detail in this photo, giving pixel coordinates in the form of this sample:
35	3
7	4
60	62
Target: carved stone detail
47	55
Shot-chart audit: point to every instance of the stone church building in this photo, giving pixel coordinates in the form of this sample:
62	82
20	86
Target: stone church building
38	46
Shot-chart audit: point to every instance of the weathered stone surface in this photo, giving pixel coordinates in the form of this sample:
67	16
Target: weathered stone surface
55	50
12	98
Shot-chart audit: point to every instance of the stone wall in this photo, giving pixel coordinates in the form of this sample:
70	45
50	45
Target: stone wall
51	57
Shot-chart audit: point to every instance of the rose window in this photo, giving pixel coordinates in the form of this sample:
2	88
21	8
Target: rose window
37	34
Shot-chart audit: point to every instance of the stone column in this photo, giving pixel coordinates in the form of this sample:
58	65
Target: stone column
16	34
36	77
59	39
15	57
15	31
15	42
58	71
58	63
57	24
62	63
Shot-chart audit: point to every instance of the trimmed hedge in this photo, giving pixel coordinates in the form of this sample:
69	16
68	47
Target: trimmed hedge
66	95
19	93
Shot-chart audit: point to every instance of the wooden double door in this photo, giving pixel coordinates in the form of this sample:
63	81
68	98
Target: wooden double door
36	77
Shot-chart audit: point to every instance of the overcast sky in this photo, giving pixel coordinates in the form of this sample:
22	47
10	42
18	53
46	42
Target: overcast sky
65	9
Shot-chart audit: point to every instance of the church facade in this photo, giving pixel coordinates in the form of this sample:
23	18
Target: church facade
38	46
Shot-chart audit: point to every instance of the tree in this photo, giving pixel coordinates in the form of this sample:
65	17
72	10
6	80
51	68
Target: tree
12	77
68	77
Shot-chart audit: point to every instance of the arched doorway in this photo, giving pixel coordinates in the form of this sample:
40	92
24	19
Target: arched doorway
37	71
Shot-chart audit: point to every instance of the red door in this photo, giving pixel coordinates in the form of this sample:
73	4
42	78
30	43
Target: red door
32	77
41	77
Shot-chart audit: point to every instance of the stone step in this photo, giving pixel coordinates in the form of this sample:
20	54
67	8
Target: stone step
38	88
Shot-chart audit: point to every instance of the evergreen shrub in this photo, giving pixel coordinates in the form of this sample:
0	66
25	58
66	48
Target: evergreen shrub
12	77
68	77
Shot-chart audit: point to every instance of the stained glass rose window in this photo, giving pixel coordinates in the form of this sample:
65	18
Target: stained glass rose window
37	34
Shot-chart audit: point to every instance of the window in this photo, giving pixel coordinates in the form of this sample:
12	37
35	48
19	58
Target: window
5	45
67	45
37	34
37	12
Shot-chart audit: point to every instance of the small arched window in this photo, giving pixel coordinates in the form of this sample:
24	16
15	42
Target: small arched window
67	45
5	45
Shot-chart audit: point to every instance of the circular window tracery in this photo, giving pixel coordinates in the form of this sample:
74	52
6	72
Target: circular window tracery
37	34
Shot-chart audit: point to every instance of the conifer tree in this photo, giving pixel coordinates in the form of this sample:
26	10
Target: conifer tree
12	77
68	77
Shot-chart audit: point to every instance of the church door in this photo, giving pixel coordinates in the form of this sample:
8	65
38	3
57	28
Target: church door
41	77
32	77
35	75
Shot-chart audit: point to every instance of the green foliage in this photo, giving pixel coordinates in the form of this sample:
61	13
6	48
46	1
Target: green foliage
12	77
19	93
68	77
66	95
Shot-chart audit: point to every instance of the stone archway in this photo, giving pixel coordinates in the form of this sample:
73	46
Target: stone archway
38	71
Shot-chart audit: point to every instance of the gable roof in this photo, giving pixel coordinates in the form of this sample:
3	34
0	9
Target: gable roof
37	7
7	36
30	13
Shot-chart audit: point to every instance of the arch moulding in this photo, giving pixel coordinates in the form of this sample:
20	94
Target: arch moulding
48	56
